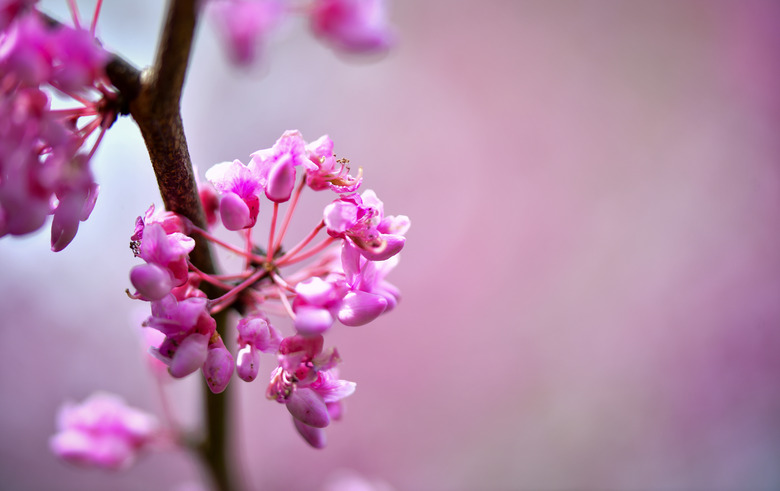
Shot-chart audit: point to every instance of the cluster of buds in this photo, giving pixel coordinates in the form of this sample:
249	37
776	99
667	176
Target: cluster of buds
354	26
343	278
44	152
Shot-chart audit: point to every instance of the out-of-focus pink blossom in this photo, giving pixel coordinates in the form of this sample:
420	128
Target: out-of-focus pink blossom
103	432
357	26
43	169
244	25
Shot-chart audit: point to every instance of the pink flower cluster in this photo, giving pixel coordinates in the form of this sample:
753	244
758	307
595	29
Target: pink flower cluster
354	26
343	278
103	432
44	165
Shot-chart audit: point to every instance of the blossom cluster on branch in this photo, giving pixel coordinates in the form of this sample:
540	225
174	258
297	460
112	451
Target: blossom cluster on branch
45	152
340	278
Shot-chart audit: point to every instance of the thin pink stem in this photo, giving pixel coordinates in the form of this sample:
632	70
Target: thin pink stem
89	128
209	278
288	214
286	304
280	281
165	404
311	252
97	142
74	12
248	247
271	249
295	250
95	17
228	246
220	303
74	111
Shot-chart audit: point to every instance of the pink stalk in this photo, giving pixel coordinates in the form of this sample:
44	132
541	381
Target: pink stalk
311	252
209	278
220	303
166	407
97	142
74	12
295	250
248	249
227	245
74	111
271	249
289	212
95	17
280	281
89	128
286	304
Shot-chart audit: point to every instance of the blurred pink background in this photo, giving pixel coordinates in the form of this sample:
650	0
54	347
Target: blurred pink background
591	282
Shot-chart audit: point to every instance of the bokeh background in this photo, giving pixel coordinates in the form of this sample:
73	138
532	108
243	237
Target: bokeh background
591	282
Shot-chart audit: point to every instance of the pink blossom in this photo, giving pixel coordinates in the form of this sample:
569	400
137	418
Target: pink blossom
352	25
360	219
188	327
238	186
315	304
255	335
169	251
276	165
11	9
363	275
244	25
329	172
79	59
26	51
305	381
103	432
218	367
43	169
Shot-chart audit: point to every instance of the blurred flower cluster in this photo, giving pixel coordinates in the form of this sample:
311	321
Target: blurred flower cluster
44	152
104	432
341	277
353	26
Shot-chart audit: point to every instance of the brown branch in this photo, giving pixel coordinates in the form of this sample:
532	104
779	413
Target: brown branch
156	109
153	99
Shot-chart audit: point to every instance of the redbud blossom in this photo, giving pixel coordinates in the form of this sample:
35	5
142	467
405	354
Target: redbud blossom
43	169
238	186
360	219
218	367
348	285
357	26
103	432
244	25
276	165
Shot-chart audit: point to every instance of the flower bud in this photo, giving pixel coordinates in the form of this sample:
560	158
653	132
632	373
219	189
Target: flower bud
218	368
190	355
311	320
359	308
308	407
313	436
151	281
281	181
234	212
247	363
